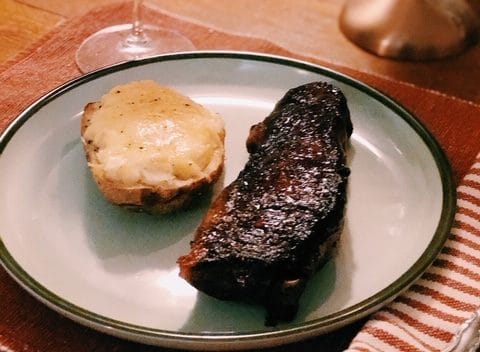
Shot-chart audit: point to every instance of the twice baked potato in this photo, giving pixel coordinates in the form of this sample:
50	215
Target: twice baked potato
151	148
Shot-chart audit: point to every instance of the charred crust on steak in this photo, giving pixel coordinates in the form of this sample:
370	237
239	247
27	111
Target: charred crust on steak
280	220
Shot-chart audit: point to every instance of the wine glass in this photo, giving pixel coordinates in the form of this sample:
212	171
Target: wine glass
126	42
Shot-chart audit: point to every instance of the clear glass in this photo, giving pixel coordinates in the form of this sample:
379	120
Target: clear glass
126	42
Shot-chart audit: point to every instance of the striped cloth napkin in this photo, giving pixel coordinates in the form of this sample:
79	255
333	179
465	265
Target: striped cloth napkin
439	312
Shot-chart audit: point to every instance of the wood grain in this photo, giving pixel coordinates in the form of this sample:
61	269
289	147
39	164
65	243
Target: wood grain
22	25
309	28
64	8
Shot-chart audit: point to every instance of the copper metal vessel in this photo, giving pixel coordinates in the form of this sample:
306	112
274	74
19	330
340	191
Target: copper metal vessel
410	29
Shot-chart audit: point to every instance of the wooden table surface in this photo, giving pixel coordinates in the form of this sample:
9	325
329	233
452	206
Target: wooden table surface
306	27
303	26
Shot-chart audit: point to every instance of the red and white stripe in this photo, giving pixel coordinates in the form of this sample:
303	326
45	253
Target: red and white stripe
432	314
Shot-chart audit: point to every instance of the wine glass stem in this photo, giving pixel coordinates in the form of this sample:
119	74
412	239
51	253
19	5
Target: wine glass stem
137	22
137	36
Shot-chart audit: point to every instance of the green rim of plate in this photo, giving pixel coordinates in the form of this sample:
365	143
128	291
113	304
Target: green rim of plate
255	338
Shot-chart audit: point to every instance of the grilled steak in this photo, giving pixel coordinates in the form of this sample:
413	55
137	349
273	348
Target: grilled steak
278	222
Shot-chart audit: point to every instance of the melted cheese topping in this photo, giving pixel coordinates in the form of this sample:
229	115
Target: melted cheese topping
149	134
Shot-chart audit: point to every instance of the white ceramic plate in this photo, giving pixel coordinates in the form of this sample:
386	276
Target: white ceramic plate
116	271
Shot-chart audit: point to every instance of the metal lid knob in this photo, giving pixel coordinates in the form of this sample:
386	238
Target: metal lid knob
410	29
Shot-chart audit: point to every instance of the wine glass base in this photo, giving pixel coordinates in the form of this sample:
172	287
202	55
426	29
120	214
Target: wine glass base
117	44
